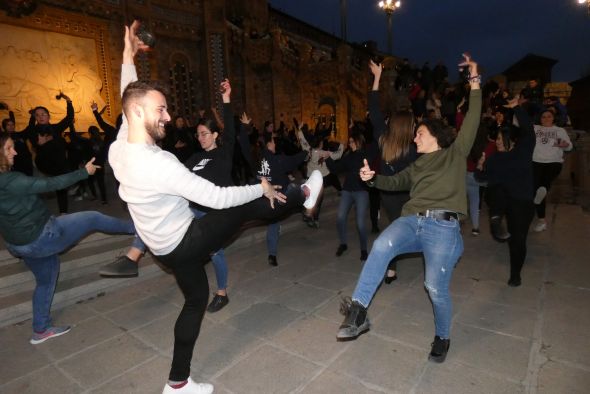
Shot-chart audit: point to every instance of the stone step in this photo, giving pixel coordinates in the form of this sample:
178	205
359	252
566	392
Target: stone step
79	279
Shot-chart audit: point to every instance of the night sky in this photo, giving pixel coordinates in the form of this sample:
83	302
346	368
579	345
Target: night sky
497	32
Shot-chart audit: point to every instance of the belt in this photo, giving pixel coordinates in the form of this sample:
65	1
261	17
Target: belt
439	214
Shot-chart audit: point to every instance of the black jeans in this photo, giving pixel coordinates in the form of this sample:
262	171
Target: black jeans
519	215
544	175
203	237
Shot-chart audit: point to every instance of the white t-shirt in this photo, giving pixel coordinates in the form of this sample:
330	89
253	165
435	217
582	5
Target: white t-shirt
157	187
547	137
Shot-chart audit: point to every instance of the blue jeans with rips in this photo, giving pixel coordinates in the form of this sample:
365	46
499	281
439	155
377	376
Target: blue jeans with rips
218	259
360	199
59	234
441	243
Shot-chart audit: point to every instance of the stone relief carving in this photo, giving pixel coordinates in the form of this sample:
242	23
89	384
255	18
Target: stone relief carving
37	65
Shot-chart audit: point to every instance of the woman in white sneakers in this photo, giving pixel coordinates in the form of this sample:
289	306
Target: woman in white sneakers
552	141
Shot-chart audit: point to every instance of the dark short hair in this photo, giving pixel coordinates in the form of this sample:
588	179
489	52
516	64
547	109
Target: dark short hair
209	123
509	135
138	89
5	122
358	138
40	107
93	129
444	134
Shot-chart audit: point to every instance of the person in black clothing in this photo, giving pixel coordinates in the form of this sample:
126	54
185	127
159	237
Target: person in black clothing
275	168
39	121
110	131
509	173
397	151
214	163
23	161
97	147
179	139
51	160
354	191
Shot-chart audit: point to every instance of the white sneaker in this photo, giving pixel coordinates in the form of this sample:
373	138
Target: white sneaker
314	184
540	195
190	388
540	226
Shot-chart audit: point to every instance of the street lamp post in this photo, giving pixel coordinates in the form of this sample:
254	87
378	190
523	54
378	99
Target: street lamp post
587	3
389	6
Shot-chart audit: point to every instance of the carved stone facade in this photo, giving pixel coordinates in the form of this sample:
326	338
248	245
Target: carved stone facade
279	67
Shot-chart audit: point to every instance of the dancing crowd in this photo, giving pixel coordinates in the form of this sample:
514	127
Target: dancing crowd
189	191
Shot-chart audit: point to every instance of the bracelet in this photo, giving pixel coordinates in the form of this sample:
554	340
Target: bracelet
475	78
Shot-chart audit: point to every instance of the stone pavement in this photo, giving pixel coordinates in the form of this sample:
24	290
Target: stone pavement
277	335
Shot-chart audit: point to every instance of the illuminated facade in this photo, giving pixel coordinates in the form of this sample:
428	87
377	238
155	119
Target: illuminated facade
279	67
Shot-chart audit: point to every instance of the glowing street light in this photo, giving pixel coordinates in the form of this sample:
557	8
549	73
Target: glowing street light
587	3
389	6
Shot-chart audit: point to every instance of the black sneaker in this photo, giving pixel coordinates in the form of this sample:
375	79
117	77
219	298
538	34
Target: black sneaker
440	348
364	255
123	267
355	321
341	249
272	260
514	281
217	303
499	233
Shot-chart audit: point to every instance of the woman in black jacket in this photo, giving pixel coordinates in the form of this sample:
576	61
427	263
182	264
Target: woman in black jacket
510	184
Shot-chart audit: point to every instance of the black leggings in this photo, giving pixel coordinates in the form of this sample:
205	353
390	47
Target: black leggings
544	175
203	237
519	215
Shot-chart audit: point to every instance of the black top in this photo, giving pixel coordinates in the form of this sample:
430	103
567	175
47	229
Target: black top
274	167
215	165
378	121
513	170
349	165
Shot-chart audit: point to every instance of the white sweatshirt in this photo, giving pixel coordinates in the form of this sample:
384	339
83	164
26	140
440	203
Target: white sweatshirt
547	137
156	187
317	154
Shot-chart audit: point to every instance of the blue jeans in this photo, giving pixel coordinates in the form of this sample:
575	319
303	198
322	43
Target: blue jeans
473	196
441	243
59	234
273	231
360	199
218	259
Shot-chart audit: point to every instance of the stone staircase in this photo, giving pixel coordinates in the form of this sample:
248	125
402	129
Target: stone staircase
79	279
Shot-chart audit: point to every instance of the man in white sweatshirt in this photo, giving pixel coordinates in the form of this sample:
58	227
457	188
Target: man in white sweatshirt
157	187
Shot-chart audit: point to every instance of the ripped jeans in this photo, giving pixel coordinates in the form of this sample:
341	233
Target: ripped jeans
441	243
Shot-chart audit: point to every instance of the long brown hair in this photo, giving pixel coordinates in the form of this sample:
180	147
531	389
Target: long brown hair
395	142
4	166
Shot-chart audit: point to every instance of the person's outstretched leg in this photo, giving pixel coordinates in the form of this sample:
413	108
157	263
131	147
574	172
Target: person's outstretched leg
398	238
